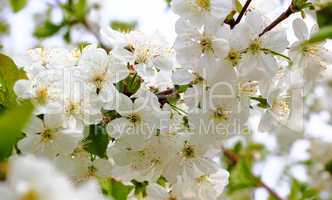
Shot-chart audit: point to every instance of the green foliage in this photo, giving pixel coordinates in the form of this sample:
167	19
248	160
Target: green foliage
240	168
328	167
47	29
13	116
241	176
238	5
129	85
323	34
123	26
97	140
12	121
324	16
75	10
17	5
301	191
302	4
168	2
9	74
262	102
114	189
4	28
140	189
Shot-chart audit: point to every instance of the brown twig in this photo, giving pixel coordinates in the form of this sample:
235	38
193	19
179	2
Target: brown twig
290	10
243	11
234	158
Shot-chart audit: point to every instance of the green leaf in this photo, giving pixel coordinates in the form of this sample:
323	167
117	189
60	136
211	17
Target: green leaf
301	191
11	124
328	167
97	140
3	27
129	85
302	4
323	34
168	2
238	5
262	102
47	29
81	10
241	176
123	26
140	189
324	16
114	189
9	74
17	5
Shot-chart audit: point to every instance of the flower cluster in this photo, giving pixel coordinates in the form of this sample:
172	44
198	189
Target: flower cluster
166	111
40	180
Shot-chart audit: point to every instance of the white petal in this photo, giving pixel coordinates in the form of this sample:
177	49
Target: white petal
54	121
182	77
300	29
23	89
35	126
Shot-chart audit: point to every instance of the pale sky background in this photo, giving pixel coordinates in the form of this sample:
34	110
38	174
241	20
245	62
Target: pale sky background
154	15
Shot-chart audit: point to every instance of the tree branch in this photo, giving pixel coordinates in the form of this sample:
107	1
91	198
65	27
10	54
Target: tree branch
234	158
243	11
290	10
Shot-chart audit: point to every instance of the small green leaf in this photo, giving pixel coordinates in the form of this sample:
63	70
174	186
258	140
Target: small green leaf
12	122
168	2
4	28
81	10
262	102
301	191
162	181
241	176
238	5
47	29
324	16
328	167
181	88
129	85
17	5
123	26
67	36
97	140
323	34
115	189
9	74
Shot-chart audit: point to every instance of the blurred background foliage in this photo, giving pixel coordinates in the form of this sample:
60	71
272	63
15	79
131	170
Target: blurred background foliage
62	19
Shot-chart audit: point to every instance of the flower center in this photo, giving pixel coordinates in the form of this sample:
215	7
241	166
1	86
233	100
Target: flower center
204	4
134	118
72	108
234	57
98	80
142	56
197	79
30	195
281	108
255	46
220	114
42	95
188	151
201	179
47	135
206	45
309	50
92	171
